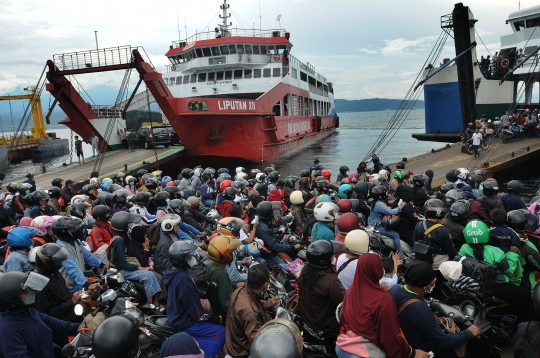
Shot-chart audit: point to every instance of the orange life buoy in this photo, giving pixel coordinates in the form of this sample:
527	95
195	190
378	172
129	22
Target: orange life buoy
505	62
276	57
173	68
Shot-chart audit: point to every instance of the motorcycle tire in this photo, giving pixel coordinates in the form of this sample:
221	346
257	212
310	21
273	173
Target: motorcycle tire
506	137
485	144
470	149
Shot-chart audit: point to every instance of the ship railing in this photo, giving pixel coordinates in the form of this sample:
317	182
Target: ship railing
103	111
22	139
230	32
98	58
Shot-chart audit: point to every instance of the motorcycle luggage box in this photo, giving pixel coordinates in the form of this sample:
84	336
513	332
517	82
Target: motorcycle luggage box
480	271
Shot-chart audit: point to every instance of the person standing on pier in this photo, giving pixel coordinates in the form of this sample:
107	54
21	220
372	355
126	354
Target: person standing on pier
78	149
132	140
476	141
95	143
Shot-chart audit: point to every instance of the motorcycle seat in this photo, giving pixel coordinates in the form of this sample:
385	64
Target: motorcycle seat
163	322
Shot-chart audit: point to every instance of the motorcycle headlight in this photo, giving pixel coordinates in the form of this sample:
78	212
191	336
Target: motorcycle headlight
119	278
283	313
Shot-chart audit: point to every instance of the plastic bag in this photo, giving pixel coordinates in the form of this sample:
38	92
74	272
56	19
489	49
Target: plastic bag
451	270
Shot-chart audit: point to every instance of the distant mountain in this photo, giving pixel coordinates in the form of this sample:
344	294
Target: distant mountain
372	104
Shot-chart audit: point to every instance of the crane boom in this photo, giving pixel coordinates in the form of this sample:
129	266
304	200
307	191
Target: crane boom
37	113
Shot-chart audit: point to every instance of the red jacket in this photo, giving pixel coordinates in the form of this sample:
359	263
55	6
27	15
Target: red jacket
101	234
477	211
224	208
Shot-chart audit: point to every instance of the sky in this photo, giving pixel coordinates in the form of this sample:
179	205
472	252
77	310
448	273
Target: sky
368	49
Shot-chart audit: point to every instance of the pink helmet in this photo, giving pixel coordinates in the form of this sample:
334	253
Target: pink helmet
353	178
42	223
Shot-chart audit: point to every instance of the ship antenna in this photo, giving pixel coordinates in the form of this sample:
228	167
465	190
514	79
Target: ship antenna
225	16
185	24
260	17
178	24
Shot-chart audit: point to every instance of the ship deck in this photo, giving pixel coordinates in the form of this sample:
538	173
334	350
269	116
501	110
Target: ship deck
113	162
501	157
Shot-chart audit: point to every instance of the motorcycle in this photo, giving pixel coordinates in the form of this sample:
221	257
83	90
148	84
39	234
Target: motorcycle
384	245
515	131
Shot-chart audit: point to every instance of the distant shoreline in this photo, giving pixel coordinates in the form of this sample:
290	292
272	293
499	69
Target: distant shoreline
373	105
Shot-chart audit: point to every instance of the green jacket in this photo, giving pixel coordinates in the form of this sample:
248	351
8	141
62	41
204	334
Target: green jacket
510	264
219	276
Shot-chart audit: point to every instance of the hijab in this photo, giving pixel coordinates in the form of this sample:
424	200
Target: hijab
404	192
25	221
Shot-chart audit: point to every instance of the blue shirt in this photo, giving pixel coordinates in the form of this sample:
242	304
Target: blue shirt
321	231
379	210
503	237
18	261
74	270
512	202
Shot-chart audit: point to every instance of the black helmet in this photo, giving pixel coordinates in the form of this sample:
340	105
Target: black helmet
54	192
105	198
418	180
147	176
490	188
101	212
209	171
88	189
39	195
79	210
320	253
67	228
29	200
116	337
375	159
57	182
322	183
517	220
237	184
378	192
177	206
141	172
186	172
304	173
230	193
278	330
452	175
452	196
344	169
141	199
273	177
50	256
319	167
434	209
268	170
254	172
174	192
264	210
222	170
459	211
400	165
13	284
160	199
445	188
180	252
474	180
12	187
151	183
118	177
514	186
121	220
24	188
120	196
291	181
114	187
232	228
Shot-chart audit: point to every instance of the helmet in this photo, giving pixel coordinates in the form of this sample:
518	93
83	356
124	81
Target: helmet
94	182
459	211
322	199
265	211
514	186
21	237
237	185
40	195
348	222
517	220
118	177
400	165
361	188
278	330
345	191
66	227
157	174
177	206
260	177
320	253
121	220
445	188
117	337
151	183
225	184
476	232
24	188
104	185
221	248
12	187
452	175
357	242
418	180
240	176
160	199
114	187
54	192
57	182
374	179
50	256
493	180
434	209
171	183
254	172
13	284
490	188
344	169
180	252
165	180
379	192
141	172
169	221
400	174
268	170
197	171
353	178
174	191
304	173
209	171
79	199
79	210
463	173
230	193
452	196
186	173
326	174
474	180
107	180
240	170
344	205
88	190
384	174
42	223
322	183
101	212
29	200
222	170
375	159
120	196
296	197
141	199
291	180
131	180
273	177
325	212
231	228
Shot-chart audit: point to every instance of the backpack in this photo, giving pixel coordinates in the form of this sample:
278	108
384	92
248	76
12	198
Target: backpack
153	233
308	225
213	297
483	273
523	340
422	248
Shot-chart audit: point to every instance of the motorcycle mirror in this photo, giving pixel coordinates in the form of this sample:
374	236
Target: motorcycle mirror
79	310
468	309
68	351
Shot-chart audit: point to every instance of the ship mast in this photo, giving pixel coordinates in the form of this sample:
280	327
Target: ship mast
224	27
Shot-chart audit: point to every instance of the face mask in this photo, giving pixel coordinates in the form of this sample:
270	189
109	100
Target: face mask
430	289
192	261
30	299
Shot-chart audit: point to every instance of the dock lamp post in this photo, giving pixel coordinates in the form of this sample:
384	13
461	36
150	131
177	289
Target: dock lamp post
97	49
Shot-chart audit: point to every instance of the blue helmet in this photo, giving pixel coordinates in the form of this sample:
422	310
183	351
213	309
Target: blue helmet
225	175
165	180
21	236
345	191
105	185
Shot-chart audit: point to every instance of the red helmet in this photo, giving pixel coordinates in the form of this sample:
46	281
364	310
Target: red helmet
171	183
493	180
141	182
347	223
408	175
326	174
345	205
225	184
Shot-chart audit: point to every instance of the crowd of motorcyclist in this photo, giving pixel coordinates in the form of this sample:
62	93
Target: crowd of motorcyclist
206	246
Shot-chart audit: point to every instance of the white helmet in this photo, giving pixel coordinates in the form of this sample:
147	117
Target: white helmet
357	242
240	176
384	174
326	211
296	197
95	182
260	177
240	170
375	179
169	221
130	179
197	171
79	199
463	173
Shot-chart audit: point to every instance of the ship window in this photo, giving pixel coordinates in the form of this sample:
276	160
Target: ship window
237	73
206	51
248	49
303	76
519	25
202	77
217	60
193	78
267	72
533	22
179	80
186	79
228	75
256	49
219	76
271	49
263	49
172	81
294	105
280	48
199	52
215	51
257	73
300	105
276	72
225	50
247	73
232	49
211	76
166	81
240	48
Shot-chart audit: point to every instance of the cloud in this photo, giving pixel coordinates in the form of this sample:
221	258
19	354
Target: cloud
368	51
482	32
401	45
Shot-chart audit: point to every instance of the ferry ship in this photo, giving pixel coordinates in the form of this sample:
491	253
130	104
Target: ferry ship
229	93
464	91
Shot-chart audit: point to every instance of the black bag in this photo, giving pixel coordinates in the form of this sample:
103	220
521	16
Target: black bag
153	233
523	344
213	297
483	273
422	248
198	274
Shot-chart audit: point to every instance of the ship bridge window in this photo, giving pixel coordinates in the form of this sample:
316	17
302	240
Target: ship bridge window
280	48
240	49
217	60
263	50
276	71
172	81
228	75
237	73
219	76
533	22
303	76
255	49
166	81
193	79
519	25
206	51
186	79
198	51
529	50
225	49
267	72
271	49
247	73
211	76
248	49
179	80
257	73
202	77
215	51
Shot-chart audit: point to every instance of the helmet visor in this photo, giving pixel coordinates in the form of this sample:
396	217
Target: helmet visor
34	282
